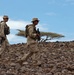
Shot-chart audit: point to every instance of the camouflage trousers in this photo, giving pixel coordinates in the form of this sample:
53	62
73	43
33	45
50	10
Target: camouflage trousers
33	50
3	46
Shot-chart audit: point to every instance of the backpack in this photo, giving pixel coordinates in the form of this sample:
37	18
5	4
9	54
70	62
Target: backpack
36	31
26	30
6	30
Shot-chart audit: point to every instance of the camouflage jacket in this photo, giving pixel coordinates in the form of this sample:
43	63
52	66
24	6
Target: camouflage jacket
2	34
4	29
2	25
31	37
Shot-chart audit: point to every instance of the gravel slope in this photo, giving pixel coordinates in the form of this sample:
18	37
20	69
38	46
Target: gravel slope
56	58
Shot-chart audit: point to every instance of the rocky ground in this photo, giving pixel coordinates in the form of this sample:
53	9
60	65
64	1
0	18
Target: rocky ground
56	58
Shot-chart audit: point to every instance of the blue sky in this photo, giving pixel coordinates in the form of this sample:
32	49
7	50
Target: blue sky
54	15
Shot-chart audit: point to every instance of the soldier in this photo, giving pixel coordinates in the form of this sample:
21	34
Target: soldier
31	32
4	30
31	35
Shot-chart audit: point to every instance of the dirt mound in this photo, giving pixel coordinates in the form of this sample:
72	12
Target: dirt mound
55	58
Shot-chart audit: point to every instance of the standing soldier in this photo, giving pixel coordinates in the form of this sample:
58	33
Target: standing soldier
32	39
4	30
31	32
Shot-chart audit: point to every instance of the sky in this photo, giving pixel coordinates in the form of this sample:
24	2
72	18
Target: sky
54	15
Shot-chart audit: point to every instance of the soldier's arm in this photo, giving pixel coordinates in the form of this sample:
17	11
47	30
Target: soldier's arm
31	32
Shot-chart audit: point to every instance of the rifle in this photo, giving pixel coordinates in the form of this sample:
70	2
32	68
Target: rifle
38	36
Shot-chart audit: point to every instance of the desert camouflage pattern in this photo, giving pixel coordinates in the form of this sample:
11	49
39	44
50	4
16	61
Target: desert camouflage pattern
31	38
5	42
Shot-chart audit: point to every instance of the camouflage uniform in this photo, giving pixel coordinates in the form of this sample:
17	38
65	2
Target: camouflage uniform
5	42
31	38
32	43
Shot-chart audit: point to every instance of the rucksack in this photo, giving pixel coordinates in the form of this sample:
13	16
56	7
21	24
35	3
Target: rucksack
26	30
6	30
36	31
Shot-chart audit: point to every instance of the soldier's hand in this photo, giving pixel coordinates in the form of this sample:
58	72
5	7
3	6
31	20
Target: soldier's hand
38	34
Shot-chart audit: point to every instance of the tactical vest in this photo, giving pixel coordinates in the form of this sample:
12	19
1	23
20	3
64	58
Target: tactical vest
6	29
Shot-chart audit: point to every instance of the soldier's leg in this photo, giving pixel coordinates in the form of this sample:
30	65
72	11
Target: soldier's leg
3	46
26	56
32	50
23	59
36	56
